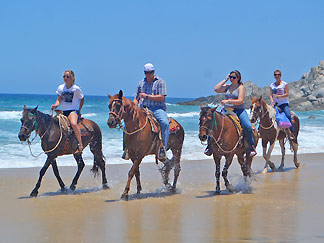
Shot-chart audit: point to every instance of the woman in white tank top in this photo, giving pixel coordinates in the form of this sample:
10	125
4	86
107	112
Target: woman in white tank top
279	92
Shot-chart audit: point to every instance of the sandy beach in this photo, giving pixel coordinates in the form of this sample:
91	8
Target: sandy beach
275	207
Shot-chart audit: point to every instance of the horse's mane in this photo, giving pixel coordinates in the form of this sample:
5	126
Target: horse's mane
272	112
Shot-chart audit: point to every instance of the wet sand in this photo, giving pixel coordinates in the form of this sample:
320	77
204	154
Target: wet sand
276	207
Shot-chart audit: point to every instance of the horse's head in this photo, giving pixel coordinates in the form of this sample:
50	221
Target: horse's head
116	107
28	123
205	122
255	108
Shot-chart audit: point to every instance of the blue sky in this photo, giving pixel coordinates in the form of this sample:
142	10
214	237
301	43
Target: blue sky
193	44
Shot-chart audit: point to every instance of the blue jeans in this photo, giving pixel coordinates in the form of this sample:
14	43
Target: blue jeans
246	125
285	109
162	117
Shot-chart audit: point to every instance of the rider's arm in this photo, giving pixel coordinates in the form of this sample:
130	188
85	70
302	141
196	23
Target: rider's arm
241	97
221	86
271	96
156	97
57	102
81	104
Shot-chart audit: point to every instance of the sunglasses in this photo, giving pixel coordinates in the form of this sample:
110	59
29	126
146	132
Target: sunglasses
277	74
149	72
66	76
232	77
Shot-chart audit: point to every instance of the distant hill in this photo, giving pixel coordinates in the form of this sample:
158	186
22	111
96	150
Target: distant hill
305	94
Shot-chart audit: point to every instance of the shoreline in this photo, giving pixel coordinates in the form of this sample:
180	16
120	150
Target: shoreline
272	207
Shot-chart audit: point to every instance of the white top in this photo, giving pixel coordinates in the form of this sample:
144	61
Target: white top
279	90
69	97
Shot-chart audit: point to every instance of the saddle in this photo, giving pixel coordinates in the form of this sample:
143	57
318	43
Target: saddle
66	125
174	126
236	121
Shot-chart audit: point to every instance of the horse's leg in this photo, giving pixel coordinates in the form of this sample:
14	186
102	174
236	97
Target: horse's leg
79	160
295	148
217	159
264	154
177	168
283	152
57	175
228	162
245	165
272	165
138	181
42	172
99	160
131	173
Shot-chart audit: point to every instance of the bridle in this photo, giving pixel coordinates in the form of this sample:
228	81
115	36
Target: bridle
253	113
210	133
119	118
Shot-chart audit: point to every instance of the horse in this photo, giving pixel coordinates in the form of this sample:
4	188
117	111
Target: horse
141	141
224	141
55	141
270	132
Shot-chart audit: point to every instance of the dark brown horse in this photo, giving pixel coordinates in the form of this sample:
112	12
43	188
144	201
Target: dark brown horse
270	132
224	141
56	142
139	139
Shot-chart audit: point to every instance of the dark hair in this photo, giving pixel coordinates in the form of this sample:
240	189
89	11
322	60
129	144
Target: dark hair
238	75
277	71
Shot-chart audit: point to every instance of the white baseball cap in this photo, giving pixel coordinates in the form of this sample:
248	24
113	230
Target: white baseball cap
148	67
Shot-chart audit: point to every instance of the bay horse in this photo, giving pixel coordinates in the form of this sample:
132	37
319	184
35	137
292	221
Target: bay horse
270	132
139	139
224	141
56	142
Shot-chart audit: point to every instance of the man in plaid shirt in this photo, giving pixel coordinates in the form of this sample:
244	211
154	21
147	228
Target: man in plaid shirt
151	93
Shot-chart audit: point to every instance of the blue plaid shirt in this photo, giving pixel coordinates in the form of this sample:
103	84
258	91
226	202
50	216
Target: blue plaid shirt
156	87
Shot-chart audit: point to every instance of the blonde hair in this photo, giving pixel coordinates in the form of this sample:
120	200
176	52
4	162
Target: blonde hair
71	74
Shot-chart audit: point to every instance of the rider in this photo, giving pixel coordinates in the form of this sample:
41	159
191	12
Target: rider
234	99
279	92
150	93
68	96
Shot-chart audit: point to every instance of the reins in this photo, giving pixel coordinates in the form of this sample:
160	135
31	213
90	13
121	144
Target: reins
136	131
47	151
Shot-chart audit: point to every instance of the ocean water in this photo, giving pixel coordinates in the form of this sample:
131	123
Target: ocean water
15	154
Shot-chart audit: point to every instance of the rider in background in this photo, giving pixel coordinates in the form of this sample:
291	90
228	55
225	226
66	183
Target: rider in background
68	96
150	93
234	100
279	92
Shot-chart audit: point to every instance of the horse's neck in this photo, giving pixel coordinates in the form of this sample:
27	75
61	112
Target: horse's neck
265	118
219	121
134	118
44	121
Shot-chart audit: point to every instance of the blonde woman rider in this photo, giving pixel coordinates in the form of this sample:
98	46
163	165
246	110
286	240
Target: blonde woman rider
71	99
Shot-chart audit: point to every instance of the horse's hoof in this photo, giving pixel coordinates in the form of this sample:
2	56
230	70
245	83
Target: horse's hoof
229	188
280	168
105	186
34	193
265	170
272	166
217	192
297	165
72	187
124	197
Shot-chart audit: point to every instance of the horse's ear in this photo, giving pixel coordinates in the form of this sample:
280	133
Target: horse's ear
260	98
201	107
120	95
25	107
109	96
33	111
214	109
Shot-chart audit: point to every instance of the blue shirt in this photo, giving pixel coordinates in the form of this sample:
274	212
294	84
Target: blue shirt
156	87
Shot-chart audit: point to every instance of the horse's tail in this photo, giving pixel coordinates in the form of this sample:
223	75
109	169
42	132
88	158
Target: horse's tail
99	160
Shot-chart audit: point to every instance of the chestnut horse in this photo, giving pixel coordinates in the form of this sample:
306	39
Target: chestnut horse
270	132
56	142
139	139
224	141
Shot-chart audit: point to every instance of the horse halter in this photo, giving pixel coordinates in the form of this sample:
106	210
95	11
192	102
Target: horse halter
210	128
120	112
253	112
31	116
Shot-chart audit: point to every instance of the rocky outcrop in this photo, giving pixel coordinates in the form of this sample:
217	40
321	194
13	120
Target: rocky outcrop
304	94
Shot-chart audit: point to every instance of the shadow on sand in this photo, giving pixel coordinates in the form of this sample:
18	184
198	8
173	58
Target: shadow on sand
276	170
66	192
